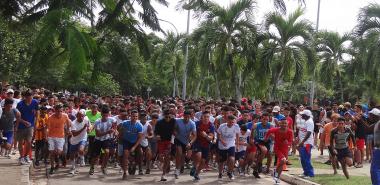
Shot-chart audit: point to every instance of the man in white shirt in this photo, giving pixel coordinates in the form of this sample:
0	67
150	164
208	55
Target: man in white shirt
228	134
305	136
78	139
10	93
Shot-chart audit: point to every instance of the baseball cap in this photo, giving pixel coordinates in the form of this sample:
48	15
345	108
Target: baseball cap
276	109
306	113
375	111
10	91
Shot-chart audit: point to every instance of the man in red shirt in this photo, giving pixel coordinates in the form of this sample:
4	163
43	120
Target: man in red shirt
283	137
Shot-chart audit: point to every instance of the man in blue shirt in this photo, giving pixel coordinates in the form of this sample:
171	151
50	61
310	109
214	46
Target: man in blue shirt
185	136
132	135
28	109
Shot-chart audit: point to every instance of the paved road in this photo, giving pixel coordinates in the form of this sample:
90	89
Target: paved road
209	178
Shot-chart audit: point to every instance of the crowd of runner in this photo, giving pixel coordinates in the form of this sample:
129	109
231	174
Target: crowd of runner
137	135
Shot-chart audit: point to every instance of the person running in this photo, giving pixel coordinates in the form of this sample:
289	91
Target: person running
103	127
40	137
132	136
339	144
374	118
283	137
360	135
28	109
260	129
243	142
325	138
305	145
163	132
93	114
78	129
228	134
185	135
145	148
7	123
153	140
201	147
55	129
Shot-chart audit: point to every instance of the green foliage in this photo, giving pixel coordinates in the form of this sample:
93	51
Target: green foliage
105	85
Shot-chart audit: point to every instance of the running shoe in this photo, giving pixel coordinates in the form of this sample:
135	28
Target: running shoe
220	176
163	178
92	171
196	177
104	171
51	171
256	174
192	171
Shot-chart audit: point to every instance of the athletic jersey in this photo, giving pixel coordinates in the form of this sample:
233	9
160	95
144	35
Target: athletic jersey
208	128
341	139
261	131
144	142
282	140
243	138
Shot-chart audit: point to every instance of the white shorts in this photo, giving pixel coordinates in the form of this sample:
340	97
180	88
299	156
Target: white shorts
56	143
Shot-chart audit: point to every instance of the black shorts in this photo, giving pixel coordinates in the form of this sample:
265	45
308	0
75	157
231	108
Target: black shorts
224	154
240	155
99	146
178	143
262	143
204	151
342	153
128	145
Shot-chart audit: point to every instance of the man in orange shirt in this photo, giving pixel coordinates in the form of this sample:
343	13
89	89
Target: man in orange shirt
56	133
325	138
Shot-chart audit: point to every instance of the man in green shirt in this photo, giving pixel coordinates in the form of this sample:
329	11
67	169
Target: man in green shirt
93	114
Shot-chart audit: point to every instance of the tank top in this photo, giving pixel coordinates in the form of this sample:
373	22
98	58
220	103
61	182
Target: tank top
144	141
261	131
7	120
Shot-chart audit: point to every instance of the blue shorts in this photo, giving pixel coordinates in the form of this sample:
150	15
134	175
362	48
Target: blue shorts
128	145
204	151
9	136
75	148
225	154
240	155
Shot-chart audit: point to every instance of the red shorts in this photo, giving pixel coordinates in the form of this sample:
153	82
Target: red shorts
281	153
251	149
360	143
164	147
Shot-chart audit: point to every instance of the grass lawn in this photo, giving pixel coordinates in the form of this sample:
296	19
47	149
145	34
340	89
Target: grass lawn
297	164
341	180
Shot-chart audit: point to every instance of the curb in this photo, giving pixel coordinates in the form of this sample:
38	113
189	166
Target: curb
292	179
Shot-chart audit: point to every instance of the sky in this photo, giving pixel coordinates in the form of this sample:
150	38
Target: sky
335	15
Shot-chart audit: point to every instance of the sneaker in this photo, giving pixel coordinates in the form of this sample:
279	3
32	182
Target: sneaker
231	176
256	174
22	161
104	171
275	174
307	177
14	152
220	176
276	181
91	172
196	177
27	160
302	175
37	163
163	178
72	172
242	174
176	173
192	171
7	156
141	172
147	171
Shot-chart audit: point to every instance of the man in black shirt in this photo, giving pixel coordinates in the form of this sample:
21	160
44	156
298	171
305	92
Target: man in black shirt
360	134
163	132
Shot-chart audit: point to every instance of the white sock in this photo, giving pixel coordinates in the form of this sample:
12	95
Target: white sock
73	164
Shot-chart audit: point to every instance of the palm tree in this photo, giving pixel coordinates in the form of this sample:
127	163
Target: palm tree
368	31
169	55
287	49
330	48
228	24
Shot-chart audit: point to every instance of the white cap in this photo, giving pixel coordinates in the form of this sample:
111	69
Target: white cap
307	113
276	109
375	111
82	111
10	91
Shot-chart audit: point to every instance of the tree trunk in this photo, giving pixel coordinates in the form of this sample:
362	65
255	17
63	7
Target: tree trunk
275	83
199	83
174	81
217	84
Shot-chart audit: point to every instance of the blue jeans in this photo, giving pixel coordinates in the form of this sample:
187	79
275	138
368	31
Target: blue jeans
305	154
375	167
